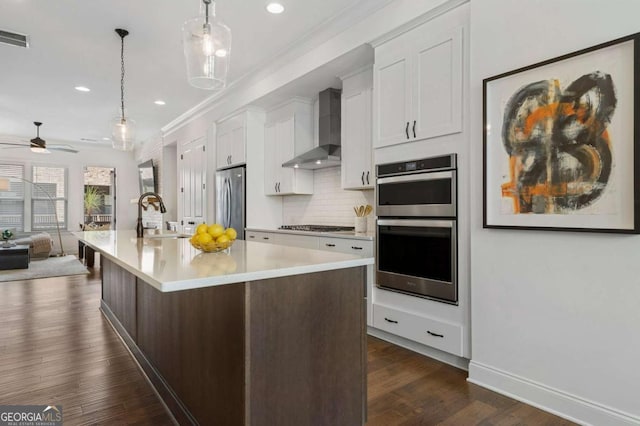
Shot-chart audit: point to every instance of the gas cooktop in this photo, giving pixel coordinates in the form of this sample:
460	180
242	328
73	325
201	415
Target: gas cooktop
317	228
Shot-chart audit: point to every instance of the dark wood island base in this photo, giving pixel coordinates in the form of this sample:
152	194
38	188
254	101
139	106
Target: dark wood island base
279	351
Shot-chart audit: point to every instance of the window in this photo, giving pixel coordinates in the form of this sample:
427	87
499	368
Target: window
12	197
48	198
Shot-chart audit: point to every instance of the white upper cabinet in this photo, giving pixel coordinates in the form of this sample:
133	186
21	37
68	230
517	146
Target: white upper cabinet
357	160
288	132
418	86
231	141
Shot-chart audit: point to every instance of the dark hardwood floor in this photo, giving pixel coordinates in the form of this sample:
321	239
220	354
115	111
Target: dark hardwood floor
56	348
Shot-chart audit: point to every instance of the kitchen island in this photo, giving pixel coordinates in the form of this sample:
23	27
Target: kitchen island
262	335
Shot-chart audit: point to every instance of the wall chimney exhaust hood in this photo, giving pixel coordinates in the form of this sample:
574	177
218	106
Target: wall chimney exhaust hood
327	153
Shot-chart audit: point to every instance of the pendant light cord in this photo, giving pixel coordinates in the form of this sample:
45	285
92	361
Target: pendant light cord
206	11
122	75
122	33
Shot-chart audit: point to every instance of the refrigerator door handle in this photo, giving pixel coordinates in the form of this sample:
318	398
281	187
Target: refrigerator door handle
223	199
229	203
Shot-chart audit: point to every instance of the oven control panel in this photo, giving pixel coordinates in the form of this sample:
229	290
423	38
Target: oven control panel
445	162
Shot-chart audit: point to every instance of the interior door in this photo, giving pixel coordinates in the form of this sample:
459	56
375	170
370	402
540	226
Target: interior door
193	197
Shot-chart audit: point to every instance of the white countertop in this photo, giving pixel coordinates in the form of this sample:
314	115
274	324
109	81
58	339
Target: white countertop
172	264
351	235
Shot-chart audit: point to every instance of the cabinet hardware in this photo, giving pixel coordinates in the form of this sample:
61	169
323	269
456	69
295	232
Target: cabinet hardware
414	129
367	178
406	130
265	238
252	236
435	334
275	187
330	245
191	222
356	248
390	320
278	186
362	178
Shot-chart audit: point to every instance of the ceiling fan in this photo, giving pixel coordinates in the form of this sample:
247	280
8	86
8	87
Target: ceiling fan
39	145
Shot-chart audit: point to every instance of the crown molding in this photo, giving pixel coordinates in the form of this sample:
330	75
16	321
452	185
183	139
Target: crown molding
424	18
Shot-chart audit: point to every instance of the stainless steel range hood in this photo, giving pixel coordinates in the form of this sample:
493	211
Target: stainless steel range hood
327	154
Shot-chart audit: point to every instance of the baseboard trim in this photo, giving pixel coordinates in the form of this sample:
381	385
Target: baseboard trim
547	398
447	358
175	408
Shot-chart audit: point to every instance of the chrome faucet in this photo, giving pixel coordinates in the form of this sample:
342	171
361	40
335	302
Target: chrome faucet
163	209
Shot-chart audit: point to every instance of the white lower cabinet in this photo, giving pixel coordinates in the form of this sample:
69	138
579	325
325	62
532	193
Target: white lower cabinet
428	331
344	245
282	238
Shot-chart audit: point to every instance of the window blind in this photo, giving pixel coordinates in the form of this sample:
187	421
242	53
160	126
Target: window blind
12	200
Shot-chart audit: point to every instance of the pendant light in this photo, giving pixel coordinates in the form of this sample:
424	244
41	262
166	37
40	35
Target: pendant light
123	130
207	48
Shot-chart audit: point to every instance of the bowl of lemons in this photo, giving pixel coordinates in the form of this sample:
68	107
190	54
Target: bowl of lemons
213	238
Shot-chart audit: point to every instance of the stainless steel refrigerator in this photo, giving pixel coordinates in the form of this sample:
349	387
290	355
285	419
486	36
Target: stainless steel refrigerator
230	199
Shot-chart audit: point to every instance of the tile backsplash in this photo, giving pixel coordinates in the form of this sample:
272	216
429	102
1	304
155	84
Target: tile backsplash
329	204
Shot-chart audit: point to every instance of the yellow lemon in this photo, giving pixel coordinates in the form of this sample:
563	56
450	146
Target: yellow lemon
202	228
215	230
222	239
204	238
231	233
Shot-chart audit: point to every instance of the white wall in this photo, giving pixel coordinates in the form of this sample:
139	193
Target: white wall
329	204
88	155
555	315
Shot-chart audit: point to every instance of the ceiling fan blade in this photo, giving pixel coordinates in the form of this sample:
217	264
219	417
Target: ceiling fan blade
64	148
14	144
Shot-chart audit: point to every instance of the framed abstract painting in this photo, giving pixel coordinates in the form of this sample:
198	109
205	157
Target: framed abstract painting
559	142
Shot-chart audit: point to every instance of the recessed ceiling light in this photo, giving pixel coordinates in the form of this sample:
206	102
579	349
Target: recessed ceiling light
275	8
221	53
82	89
159	102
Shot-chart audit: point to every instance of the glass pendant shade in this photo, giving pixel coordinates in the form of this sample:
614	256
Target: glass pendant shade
123	133
207	49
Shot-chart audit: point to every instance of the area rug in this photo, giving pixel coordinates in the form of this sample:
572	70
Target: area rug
44	268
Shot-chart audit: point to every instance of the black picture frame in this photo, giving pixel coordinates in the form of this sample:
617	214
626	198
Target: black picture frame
568	160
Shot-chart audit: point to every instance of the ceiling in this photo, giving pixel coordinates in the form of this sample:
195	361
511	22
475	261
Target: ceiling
72	43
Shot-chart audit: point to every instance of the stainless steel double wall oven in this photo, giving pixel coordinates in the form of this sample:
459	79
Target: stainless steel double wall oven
416	229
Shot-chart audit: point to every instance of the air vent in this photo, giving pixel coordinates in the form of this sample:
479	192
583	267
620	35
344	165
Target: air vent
14	39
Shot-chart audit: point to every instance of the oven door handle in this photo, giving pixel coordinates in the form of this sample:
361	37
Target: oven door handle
416	177
419	223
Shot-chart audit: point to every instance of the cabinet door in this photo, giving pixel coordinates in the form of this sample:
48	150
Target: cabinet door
193	196
223	141
437	86
271	172
237	146
356	141
286	151
392	98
